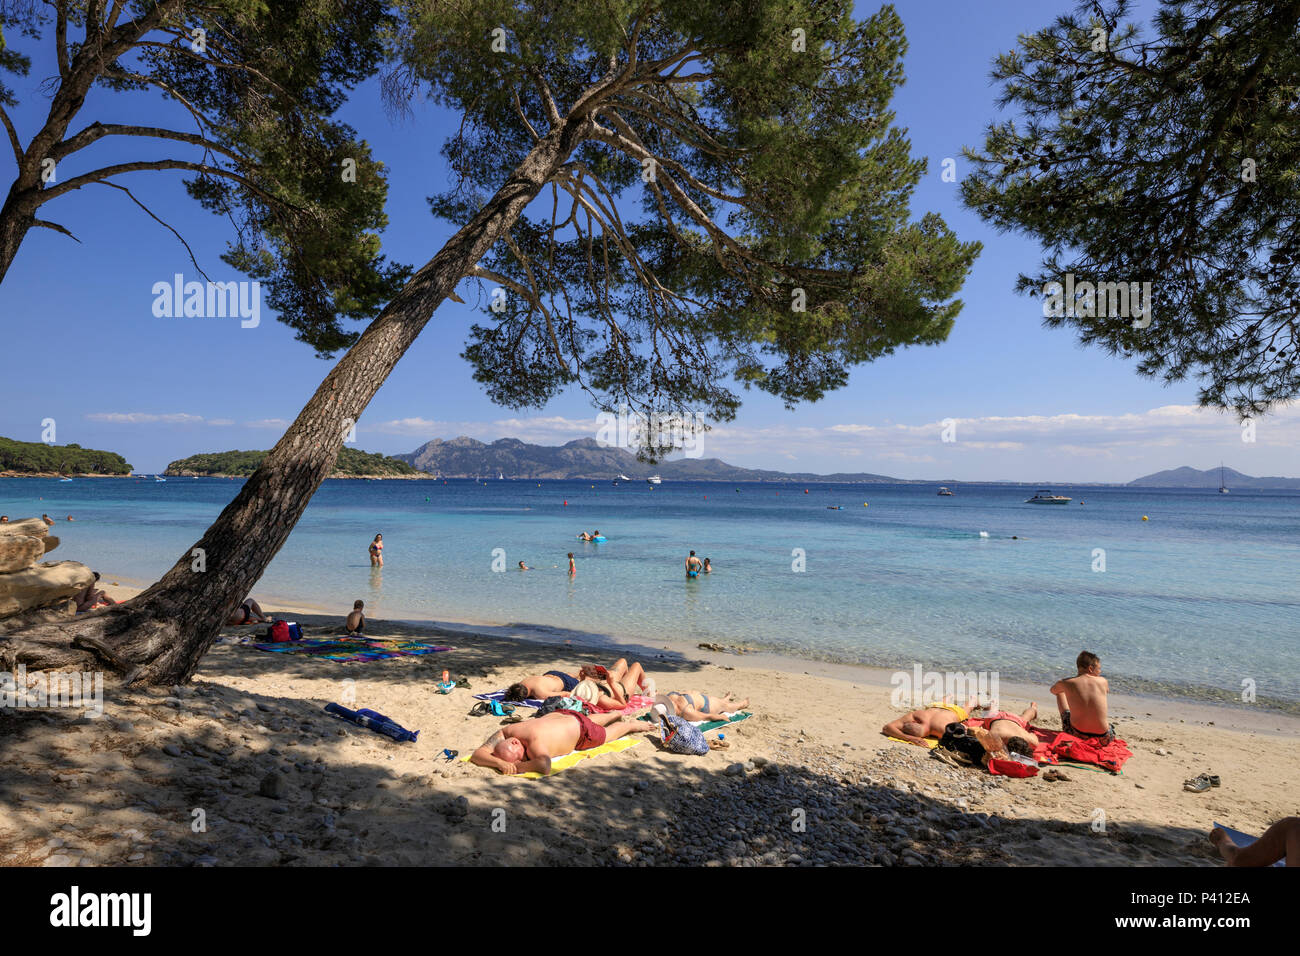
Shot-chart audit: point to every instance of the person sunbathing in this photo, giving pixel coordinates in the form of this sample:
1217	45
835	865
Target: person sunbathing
249	612
928	721
1081	701
1008	726
1281	841
615	684
531	745
696	705
92	597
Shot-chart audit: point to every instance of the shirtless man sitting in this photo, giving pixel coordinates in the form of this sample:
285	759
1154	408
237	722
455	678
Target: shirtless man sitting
1081	701
928	721
532	744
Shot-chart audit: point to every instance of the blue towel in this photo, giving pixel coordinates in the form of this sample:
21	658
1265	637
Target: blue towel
374	721
1243	839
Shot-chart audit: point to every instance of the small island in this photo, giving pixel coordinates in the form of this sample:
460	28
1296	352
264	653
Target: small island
34	459
352	463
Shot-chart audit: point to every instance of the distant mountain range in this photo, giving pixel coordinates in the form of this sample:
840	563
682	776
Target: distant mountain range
587	458
1186	477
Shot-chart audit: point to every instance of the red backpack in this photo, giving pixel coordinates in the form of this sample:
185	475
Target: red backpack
279	632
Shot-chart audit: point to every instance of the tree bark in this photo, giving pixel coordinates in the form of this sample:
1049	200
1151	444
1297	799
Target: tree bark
160	636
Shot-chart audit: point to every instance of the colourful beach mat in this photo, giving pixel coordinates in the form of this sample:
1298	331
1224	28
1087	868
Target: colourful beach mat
345	649
1243	839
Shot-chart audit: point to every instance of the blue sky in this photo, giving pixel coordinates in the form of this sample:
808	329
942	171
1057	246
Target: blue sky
82	346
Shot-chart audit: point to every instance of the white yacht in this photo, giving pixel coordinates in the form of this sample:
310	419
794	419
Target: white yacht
1223	488
624	478
1045	497
655	480
944	492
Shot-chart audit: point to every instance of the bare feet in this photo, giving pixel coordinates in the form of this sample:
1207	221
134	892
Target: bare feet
1223	843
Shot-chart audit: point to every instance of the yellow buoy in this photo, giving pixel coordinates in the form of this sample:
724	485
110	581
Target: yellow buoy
1145	518
865	505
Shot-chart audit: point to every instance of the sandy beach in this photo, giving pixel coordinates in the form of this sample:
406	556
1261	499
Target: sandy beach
244	767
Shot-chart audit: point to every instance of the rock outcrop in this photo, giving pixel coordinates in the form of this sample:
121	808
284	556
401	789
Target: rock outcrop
32	593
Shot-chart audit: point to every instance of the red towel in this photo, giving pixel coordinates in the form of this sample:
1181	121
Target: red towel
1056	744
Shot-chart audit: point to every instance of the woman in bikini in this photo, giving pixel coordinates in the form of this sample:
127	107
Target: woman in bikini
250	612
377	552
697	705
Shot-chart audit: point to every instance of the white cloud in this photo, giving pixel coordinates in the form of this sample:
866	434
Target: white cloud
144	418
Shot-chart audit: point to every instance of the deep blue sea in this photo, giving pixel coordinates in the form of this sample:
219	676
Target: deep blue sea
1192	602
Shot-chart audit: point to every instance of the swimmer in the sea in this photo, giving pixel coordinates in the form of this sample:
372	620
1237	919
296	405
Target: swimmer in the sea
693	565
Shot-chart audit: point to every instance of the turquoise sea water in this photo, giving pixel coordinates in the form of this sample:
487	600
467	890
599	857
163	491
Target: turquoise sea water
1191	603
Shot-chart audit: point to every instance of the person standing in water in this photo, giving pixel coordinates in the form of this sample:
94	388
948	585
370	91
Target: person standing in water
693	566
377	552
573	568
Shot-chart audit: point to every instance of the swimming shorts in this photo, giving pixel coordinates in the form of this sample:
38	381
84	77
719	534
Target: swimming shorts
569	681
1003	715
591	734
959	711
1069	728
692	574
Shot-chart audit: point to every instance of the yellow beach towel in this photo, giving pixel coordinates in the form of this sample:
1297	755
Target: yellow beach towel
574	756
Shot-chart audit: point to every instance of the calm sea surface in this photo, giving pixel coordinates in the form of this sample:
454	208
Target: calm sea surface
1192	602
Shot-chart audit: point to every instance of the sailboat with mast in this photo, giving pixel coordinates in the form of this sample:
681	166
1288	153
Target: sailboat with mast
1223	488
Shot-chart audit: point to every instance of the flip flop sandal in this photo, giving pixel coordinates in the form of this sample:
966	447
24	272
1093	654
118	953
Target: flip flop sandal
1197	784
1060	777
514	719
481	709
450	755
463	682
944	755
1051	776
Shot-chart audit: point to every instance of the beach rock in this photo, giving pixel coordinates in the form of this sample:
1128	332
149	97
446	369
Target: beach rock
19	551
274	786
30	527
42	585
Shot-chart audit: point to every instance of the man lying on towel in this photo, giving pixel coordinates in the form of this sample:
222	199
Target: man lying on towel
1009	726
529	745
928	721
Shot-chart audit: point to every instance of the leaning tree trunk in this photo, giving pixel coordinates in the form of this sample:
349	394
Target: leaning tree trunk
16	220
160	636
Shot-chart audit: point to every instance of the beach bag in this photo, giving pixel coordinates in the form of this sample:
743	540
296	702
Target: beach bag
278	633
295	631
681	736
560	702
1014	766
956	739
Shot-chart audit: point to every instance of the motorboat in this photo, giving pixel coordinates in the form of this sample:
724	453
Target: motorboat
1045	497
944	492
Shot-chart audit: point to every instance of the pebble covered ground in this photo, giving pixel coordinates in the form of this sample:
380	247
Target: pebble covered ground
203	775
